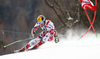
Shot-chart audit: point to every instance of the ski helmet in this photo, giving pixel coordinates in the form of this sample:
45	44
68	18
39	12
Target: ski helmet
40	18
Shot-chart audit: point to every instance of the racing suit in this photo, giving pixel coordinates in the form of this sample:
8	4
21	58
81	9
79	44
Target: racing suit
48	34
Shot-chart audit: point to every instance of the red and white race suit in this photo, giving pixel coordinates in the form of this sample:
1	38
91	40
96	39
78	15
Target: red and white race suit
48	34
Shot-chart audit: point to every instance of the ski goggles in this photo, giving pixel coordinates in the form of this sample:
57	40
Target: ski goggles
41	22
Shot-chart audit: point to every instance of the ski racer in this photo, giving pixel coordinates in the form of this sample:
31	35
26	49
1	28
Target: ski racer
48	34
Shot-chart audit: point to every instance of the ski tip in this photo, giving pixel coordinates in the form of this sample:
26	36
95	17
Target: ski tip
16	51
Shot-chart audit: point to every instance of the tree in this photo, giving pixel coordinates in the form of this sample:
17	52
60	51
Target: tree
63	14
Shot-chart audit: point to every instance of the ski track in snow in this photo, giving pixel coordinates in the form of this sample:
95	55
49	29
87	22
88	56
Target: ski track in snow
86	48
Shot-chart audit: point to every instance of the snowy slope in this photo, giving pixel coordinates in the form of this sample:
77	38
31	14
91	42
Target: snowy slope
64	49
86	48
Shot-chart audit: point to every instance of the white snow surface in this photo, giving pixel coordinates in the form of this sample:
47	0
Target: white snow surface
68	48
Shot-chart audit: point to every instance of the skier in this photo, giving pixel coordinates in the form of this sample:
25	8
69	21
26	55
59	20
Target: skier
48	34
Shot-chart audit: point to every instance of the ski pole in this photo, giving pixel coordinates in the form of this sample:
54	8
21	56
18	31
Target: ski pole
16	42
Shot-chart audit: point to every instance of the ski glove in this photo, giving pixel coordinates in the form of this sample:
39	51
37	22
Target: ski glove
32	36
56	39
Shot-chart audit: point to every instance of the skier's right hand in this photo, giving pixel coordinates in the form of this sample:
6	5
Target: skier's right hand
32	36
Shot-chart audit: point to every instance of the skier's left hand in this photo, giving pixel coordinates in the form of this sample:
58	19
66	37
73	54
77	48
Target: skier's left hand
56	39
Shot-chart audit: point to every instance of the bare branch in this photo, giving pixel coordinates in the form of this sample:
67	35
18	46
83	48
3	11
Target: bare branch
62	10
49	4
55	10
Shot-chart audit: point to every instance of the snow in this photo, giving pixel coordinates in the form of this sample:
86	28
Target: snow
86	48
